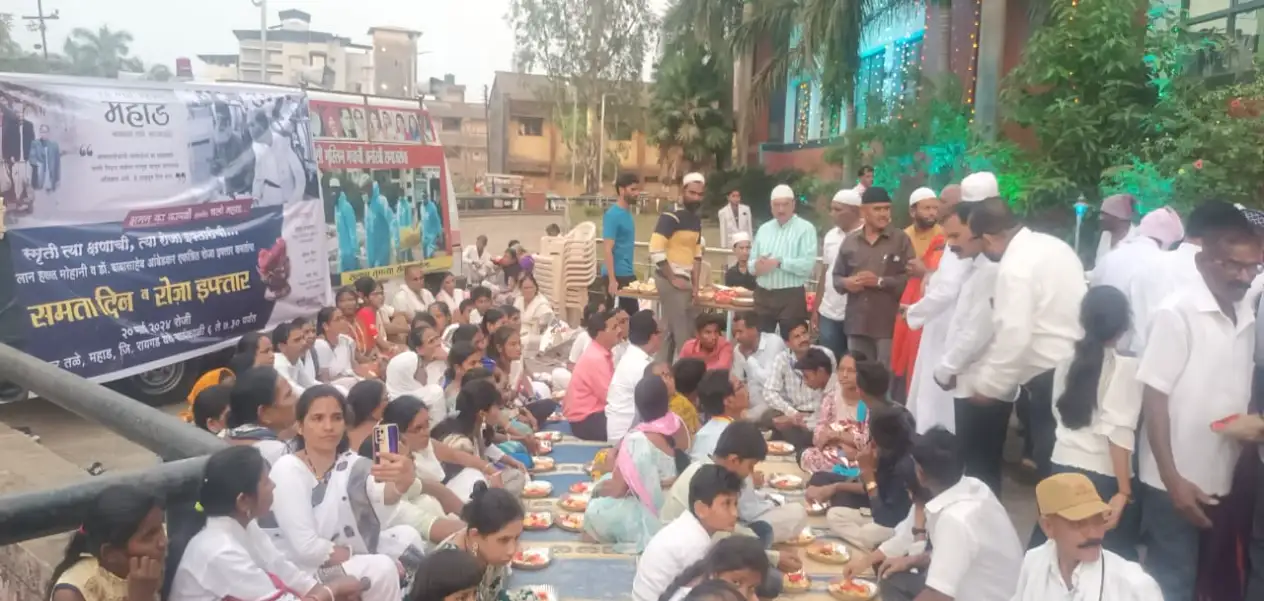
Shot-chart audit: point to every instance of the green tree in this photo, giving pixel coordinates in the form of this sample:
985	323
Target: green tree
159	73
101	53
690	122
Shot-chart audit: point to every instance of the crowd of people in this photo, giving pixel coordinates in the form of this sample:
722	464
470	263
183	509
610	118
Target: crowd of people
894	390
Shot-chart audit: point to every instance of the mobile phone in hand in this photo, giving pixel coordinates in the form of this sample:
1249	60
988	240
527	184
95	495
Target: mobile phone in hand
385	439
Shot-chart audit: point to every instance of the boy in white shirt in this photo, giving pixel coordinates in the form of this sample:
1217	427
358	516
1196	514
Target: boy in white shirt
713	496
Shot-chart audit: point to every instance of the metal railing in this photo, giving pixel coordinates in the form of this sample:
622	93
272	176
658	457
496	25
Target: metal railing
40	513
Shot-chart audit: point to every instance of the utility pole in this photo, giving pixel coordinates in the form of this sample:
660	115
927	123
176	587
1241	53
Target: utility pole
38	22
263	39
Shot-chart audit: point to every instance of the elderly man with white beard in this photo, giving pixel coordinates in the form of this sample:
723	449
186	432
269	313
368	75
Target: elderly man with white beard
930	404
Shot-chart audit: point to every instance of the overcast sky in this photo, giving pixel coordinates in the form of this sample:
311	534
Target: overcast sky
468	38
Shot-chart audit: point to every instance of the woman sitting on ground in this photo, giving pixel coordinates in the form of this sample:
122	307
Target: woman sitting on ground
261	412
537	313
493	519
253	349
842	424
210	408
428	506
624	510
532	400
338	360
330	503
367	401
224	554
447	575
118	552
449	294
406	374
462	358
373	325
477	406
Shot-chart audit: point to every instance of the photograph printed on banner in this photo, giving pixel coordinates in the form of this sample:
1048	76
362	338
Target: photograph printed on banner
32	128
340	122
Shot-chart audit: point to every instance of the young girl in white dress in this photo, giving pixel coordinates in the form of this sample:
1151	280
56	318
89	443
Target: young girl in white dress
330	503
227	556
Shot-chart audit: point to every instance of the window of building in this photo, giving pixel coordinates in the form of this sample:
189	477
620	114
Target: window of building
451	123
869	85
908	54
530	126
802	110
1239	21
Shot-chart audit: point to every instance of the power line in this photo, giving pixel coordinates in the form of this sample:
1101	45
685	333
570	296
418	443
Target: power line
37	21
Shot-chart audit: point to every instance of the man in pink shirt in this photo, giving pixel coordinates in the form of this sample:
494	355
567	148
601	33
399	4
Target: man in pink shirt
585	403
709	343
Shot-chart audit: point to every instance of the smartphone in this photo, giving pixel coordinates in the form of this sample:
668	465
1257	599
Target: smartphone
1223	423
385	439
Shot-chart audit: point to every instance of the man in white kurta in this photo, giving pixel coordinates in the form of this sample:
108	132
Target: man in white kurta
929	403
478	262
1125	269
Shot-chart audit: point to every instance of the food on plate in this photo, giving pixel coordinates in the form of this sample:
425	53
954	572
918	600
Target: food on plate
542	464
779	447
785	481
642	287
544	447
535	592
853	589
582	488
815	508
805	537
574	502
742	292
548	435
573	522
796	582
537	520
537	489
532	559
829	552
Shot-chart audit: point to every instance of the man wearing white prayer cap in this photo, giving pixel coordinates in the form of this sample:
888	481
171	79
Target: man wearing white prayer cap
831	307
676	251
1126	268
783	257
978	186
924	210
739	273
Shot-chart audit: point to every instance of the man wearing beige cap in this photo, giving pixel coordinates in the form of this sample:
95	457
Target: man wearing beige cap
783	257
1072	565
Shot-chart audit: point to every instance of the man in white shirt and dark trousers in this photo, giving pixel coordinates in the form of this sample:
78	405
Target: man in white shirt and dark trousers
753	357
1072	565
831	307
1039	286
976	554
1196	371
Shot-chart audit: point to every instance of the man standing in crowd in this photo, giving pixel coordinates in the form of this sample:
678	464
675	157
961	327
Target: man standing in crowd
584	405
928	246
980	428
831	307
735	217
924	211
646	339
792	394
929	403
413	298
871	269
1074	517
976	555
618	232
676	251
1125	269
865	179
478	260
1039	287
756	352
1197	371
782	259
1118	211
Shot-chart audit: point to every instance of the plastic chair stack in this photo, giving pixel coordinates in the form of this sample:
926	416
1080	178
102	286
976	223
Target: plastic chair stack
566	266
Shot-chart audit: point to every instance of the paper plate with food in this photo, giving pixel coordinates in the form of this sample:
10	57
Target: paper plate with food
535	592
543	447
571	522
853	589
786	482
532	559
557	415
542	464
815	508
796	582
574	502
537	489
829	552
780	447
548	435
537	520
805	537
582	488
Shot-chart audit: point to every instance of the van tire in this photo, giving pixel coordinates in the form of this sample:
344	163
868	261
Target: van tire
162	386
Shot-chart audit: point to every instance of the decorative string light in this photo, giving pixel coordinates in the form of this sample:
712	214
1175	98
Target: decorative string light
804	97
972	75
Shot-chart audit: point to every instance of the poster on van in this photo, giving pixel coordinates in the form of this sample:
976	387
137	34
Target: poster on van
153	224
386	197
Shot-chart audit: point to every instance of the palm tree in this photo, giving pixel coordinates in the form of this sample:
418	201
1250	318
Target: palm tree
690	124
100	53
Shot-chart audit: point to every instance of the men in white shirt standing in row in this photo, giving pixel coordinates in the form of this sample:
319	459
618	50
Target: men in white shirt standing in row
931	404
1126	269
831	307
734	217
413	298
1036	313
1072	565
976	554
477	261
1196	371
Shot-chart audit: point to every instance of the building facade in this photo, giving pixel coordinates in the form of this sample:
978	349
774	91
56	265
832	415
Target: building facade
394	62
462	127
524	139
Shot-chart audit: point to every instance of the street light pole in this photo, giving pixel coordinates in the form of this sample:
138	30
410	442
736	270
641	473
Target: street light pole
601	145
263	39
